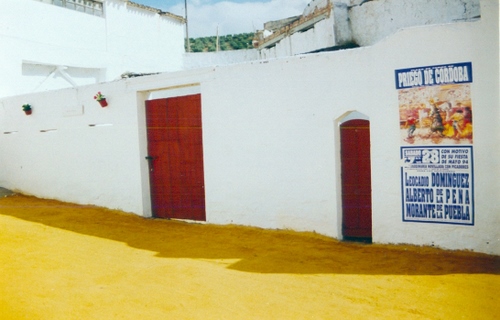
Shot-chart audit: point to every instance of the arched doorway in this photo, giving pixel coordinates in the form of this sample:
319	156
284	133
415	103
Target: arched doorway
356	180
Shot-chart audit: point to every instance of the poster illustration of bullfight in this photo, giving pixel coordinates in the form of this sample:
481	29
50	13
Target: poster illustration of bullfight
435	105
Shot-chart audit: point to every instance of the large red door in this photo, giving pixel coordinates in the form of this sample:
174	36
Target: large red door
175	154
356	179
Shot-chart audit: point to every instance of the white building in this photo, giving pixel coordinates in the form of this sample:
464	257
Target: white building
51	44
270	149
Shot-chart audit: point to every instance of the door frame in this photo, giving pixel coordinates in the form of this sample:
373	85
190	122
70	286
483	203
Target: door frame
142	96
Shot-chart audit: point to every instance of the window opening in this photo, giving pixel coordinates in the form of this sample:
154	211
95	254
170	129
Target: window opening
92	7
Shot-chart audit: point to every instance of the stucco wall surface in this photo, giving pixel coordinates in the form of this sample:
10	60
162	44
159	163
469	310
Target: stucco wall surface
322	35
270	137
374	20
36	37
72	149
193	60
289	141
368	22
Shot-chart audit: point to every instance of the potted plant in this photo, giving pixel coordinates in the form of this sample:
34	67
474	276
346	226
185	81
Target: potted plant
27	108
101	99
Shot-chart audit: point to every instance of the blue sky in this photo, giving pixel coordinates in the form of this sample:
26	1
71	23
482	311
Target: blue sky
229	16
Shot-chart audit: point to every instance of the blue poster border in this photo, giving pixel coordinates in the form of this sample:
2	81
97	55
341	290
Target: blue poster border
473	216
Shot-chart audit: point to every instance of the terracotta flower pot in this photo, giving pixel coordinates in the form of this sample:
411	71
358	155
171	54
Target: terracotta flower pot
28	112
103	102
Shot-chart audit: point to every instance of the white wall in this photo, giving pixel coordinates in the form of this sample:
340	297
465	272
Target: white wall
72	149
322	35
271	143
194	60
269	148
87	154
374	20
366	23
142	40
35	37
482	50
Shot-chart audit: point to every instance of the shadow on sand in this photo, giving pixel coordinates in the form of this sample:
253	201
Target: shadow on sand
257	250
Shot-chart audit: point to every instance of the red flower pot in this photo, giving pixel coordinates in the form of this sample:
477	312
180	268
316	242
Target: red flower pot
103	102
28	112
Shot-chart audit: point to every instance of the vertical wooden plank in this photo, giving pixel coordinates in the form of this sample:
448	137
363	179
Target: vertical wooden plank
356	179
156	117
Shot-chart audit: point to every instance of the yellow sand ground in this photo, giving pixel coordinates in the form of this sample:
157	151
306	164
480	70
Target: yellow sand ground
64	261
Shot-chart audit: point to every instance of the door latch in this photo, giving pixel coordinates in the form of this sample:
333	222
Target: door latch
150	162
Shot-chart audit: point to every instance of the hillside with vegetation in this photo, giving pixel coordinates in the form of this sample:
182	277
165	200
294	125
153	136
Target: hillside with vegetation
227	42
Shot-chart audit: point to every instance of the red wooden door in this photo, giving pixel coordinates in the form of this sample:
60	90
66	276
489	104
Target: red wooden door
356	179
175	151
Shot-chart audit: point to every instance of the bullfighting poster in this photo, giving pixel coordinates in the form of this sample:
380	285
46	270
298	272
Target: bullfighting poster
436	130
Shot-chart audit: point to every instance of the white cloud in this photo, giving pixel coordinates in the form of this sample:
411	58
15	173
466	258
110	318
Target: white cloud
233	18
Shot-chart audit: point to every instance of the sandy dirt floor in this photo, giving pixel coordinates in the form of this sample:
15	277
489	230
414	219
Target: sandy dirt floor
64	261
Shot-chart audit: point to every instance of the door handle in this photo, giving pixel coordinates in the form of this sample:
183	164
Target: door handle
150	162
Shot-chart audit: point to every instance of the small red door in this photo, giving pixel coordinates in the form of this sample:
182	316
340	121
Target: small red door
356	179
175	153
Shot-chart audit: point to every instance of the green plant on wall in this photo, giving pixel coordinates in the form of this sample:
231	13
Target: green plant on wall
27	108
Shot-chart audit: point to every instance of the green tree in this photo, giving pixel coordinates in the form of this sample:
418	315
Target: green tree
226	42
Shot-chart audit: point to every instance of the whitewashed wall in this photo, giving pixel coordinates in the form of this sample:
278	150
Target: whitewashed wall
72	149
319	37
374	20
193	60
368	22
284	129
36	36
271	143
